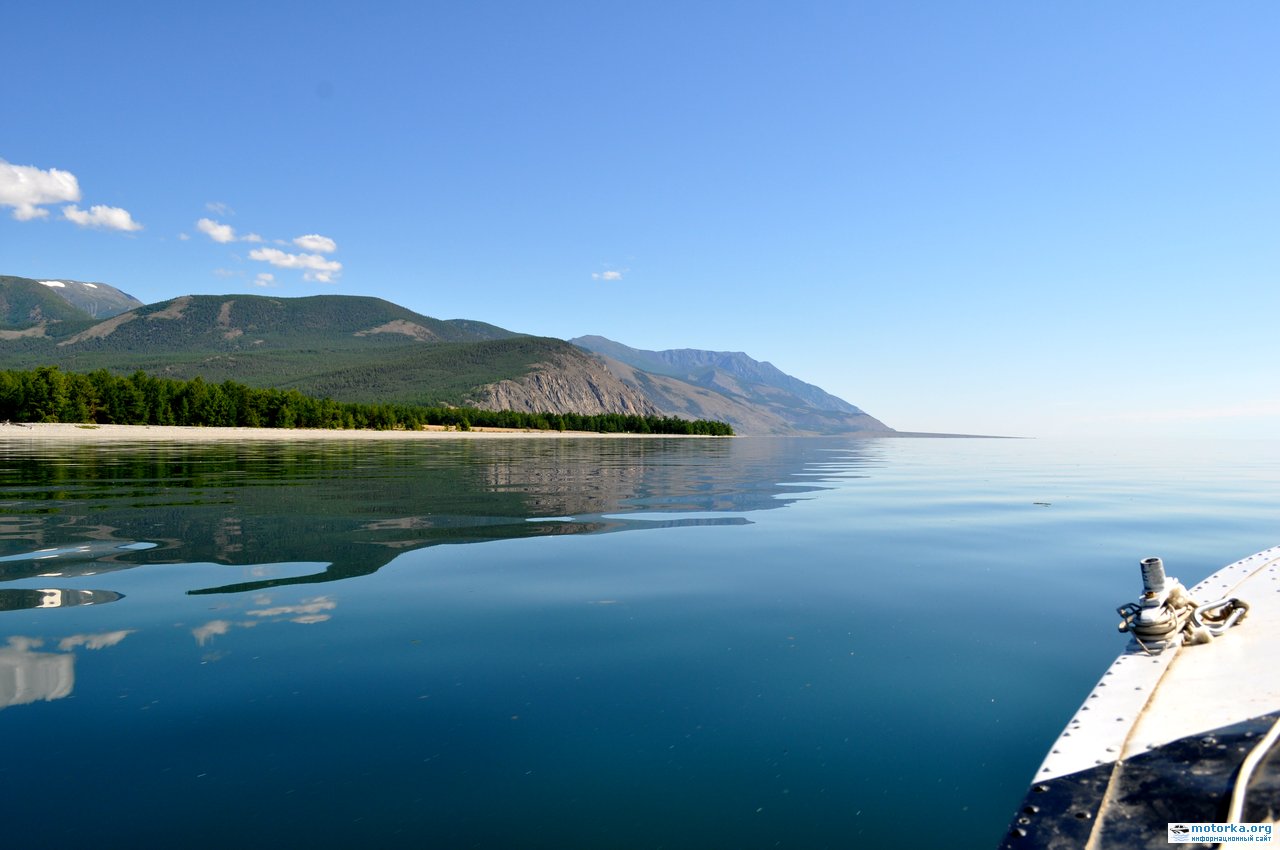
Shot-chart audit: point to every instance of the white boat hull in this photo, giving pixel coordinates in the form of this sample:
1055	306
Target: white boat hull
1160	738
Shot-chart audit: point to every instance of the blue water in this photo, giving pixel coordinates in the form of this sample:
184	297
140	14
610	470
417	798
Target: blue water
574	643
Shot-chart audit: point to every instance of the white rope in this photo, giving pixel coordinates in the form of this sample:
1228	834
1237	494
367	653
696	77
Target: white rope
1179	619
1247	767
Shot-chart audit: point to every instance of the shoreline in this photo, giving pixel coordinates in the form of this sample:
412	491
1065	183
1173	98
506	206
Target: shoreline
83	433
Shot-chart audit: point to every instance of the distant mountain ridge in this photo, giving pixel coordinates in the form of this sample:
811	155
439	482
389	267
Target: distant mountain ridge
701	367
27	309
94	300
366	349
754	396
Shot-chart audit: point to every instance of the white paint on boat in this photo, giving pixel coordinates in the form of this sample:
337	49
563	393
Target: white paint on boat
1145	701
1231	679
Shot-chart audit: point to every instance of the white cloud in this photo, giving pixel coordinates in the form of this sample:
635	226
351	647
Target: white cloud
610	275
94	641
317	243
219	208
25	187
100	215
182	237
222	233
309	607
314	266
203	634
226	273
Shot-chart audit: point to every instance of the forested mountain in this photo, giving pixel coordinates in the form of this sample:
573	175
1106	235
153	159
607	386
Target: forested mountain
350	348
363	349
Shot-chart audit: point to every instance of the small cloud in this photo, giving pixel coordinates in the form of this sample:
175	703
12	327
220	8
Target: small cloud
309	607
226	273
609	275
317	243
315	267
218	232
182	237
265	279
94	641
223	233
25	188
219	208
203	634
100	215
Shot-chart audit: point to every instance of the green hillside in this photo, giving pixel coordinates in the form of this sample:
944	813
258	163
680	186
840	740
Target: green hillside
450	370
350	348
254	322
26	304
400	373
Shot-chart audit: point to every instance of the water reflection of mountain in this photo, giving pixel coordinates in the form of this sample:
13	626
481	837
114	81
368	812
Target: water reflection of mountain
356	506
19	600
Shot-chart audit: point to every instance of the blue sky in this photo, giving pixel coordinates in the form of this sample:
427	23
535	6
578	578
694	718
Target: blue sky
996	217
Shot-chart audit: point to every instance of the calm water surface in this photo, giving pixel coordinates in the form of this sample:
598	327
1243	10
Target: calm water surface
573	643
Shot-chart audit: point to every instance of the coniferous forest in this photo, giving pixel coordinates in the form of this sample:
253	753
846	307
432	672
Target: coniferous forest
47	394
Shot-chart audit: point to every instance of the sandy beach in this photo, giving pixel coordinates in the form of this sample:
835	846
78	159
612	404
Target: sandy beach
72	433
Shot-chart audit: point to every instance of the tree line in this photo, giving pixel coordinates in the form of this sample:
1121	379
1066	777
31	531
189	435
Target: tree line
47	394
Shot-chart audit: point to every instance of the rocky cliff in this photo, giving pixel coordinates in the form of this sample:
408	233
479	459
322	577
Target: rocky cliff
567	381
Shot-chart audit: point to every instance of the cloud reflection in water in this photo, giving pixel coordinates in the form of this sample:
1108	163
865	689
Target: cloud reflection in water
27	676
308	611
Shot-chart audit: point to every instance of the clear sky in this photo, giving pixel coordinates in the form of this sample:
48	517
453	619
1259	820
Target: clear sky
985	217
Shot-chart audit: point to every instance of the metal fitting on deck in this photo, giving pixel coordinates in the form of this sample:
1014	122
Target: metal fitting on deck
1156	622
1152	576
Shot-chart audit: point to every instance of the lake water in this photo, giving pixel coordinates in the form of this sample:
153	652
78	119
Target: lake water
573	643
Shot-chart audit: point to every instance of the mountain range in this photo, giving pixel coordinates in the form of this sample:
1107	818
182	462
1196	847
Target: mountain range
358	348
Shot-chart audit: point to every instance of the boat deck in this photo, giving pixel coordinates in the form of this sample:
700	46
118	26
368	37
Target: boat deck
1160	738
